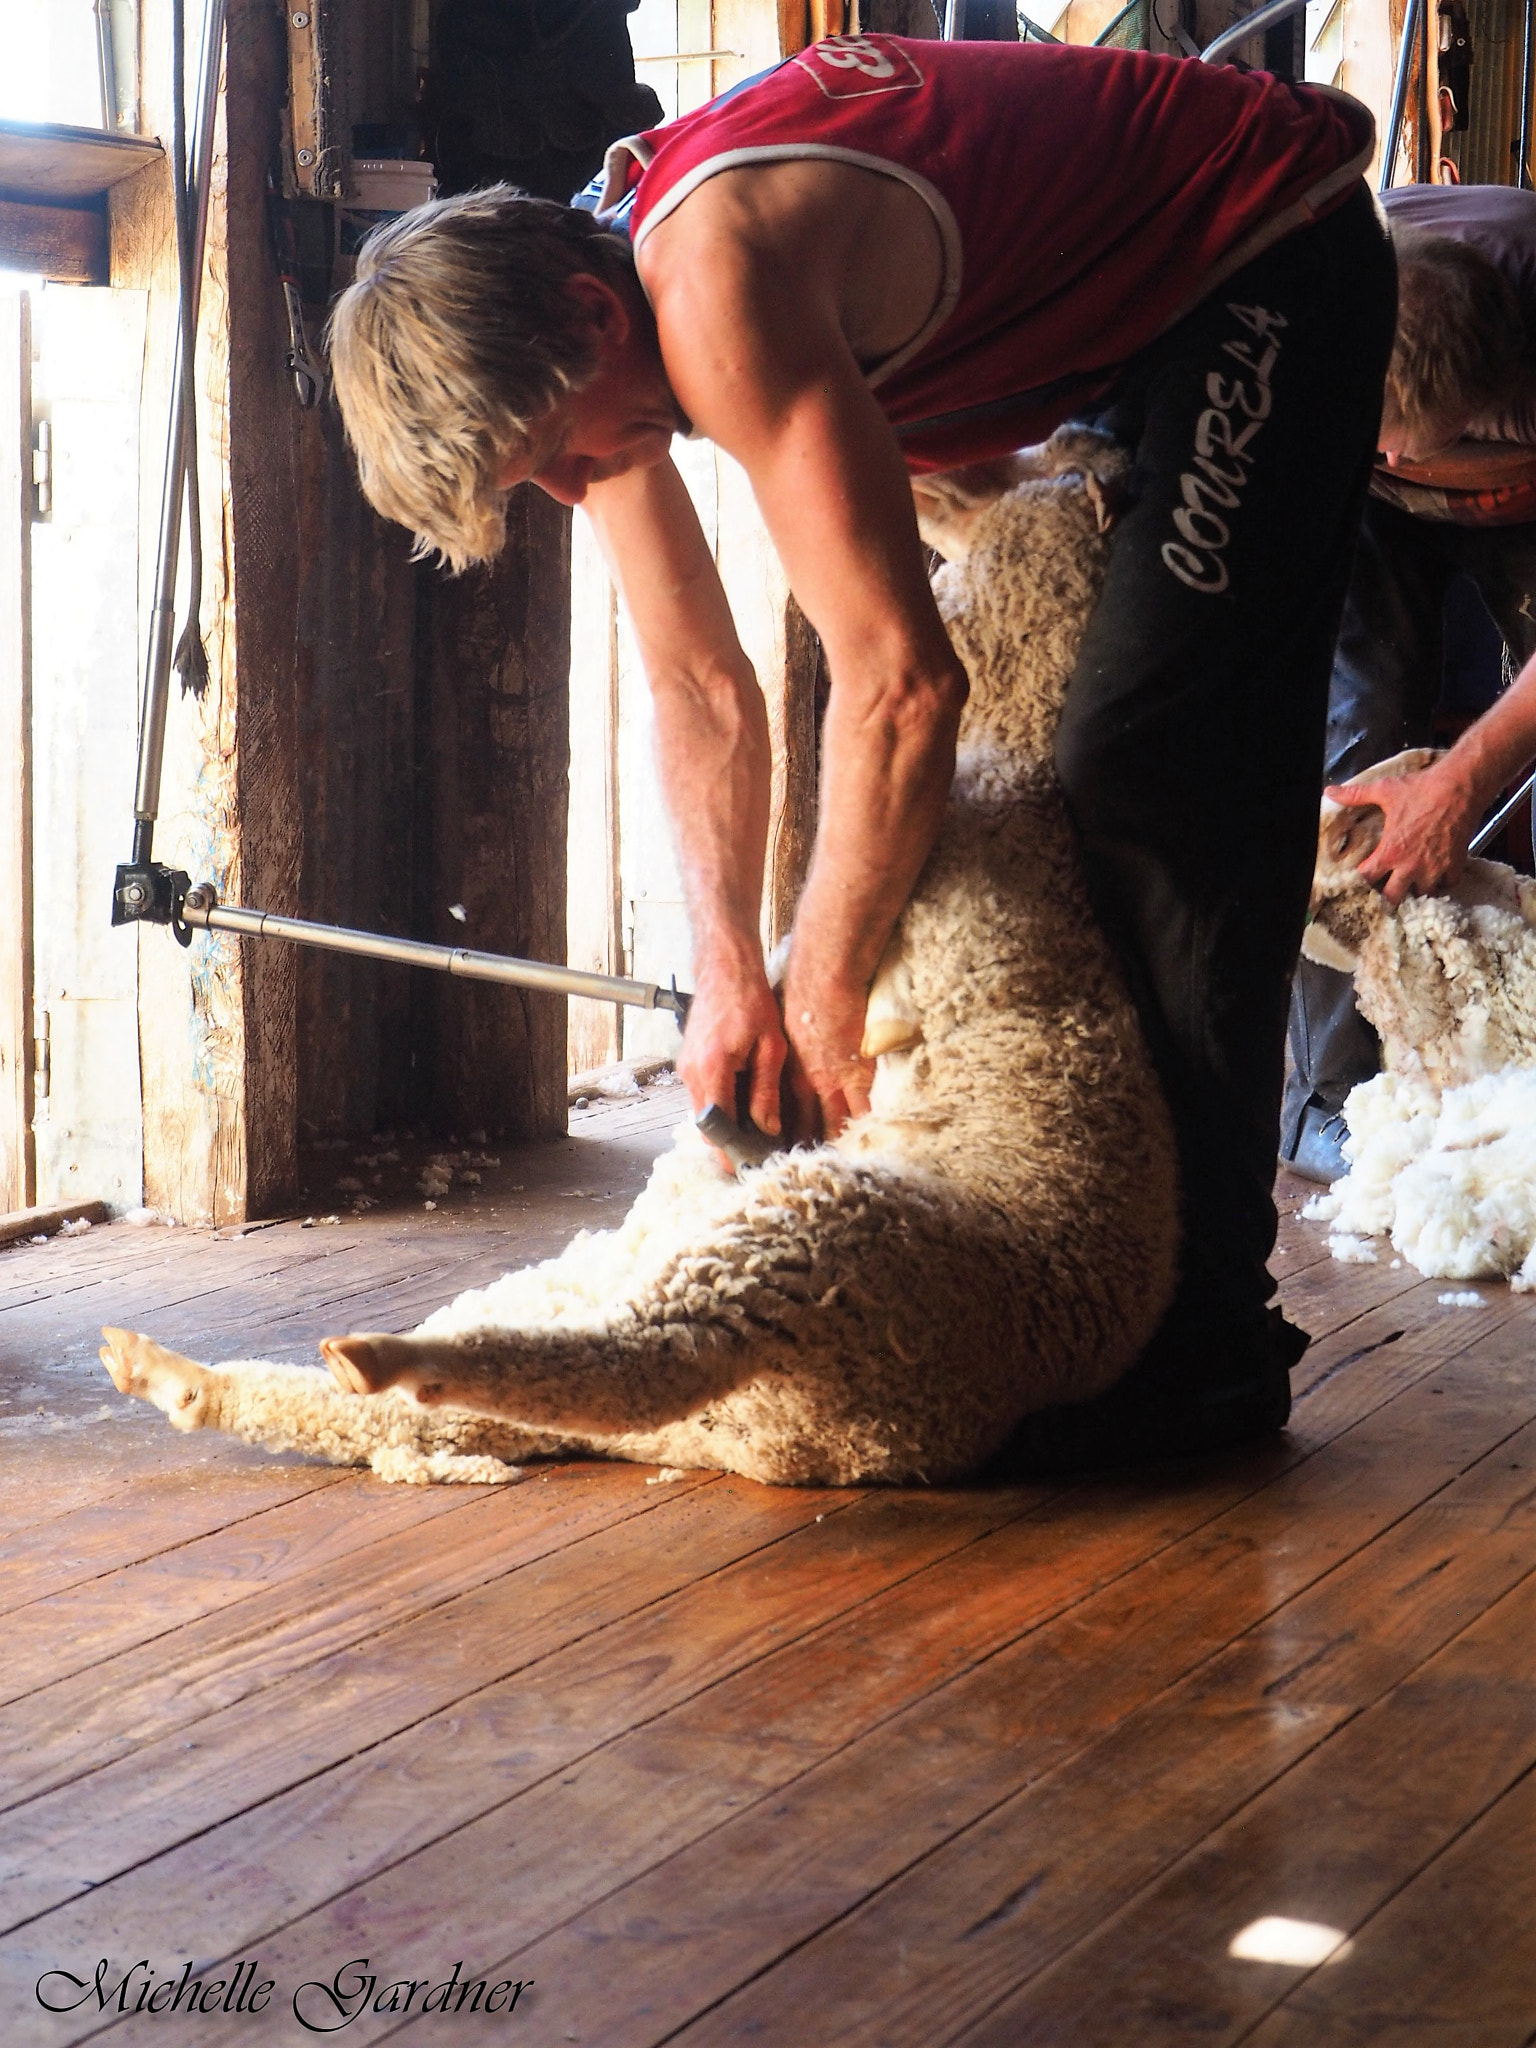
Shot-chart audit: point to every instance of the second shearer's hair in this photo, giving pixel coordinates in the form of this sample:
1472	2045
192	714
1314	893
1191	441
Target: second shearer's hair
455	338
1459	334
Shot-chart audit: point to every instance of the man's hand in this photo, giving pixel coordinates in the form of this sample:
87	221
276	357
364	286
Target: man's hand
1430	818
825	1021
734	1028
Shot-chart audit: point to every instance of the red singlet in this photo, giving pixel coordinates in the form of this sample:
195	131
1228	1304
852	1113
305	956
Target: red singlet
1086	200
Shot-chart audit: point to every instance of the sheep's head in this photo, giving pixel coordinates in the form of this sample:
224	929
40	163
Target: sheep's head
1028	566
1343	909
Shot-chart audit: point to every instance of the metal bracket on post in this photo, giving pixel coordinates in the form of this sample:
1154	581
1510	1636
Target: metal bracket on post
148	892
318	162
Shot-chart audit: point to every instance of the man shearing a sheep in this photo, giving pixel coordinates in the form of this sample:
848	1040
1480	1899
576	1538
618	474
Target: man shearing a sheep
884	260
1455	494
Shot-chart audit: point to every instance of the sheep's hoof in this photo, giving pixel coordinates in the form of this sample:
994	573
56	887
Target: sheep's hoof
141	1367
370	1364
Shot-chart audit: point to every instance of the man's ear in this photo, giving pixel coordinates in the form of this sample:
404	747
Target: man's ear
603	306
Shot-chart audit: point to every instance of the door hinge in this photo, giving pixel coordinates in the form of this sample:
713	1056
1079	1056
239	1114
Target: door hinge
42	468
41	1054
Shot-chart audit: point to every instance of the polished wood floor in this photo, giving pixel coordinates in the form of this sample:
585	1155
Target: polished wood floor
705	1762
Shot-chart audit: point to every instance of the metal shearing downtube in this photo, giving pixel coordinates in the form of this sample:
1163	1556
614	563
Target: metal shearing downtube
1400	93
162	631
202	912
1501	816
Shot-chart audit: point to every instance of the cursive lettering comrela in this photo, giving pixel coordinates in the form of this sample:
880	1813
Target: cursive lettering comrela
1225	432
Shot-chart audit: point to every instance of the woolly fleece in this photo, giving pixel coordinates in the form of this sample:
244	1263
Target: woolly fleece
996	1235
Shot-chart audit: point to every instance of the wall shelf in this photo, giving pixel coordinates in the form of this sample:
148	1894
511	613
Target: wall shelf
53	186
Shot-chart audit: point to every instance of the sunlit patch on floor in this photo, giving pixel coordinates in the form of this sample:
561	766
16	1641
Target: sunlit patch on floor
1301	1943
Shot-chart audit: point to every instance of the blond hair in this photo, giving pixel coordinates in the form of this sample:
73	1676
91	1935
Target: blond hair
1459	333
455	339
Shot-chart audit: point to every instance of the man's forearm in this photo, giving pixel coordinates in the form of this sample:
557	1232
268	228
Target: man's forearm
1430	817
887	770
1498	747
713	755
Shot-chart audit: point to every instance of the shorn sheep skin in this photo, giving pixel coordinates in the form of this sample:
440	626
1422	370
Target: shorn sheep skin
1442	1143
996	1235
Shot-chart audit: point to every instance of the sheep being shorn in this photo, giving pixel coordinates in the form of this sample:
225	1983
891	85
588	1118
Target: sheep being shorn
996	1235
1442	1144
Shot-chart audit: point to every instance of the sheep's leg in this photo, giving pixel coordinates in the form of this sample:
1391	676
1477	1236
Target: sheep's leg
178	1386
596	1385
299	1409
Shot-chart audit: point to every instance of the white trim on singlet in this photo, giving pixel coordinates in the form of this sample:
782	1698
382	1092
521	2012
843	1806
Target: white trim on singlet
789	152
613	171
1301	212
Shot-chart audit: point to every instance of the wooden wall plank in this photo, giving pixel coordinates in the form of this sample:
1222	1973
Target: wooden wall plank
65	244
17	1169
593	911
499	660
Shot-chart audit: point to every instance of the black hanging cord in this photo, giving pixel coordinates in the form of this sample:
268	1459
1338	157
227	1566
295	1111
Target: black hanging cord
191	661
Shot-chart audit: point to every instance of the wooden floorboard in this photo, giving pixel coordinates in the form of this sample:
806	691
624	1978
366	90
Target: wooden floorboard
714	1763
1466	1920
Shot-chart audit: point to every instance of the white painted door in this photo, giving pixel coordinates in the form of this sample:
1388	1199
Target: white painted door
88	1125
16	1175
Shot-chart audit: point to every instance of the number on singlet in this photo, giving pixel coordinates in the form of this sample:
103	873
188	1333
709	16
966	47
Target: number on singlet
855	53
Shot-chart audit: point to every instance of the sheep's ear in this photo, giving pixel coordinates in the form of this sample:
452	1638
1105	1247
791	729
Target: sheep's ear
951	503
949	529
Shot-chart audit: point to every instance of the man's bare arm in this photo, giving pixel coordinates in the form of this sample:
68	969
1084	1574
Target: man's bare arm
713	755
1431	817
766	373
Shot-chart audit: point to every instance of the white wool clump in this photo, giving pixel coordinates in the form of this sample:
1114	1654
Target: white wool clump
1352	1251
1450	1177
1462	1300
600	1269
410	1467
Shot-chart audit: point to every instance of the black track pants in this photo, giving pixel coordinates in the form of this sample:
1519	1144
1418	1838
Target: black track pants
1191	745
